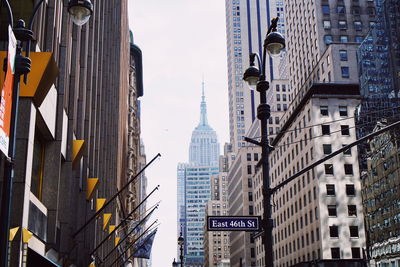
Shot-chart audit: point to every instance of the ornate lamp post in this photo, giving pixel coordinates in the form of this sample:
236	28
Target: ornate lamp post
22	67
181	241
274	43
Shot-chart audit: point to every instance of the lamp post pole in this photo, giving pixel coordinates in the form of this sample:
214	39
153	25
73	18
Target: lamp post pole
181	241
273	43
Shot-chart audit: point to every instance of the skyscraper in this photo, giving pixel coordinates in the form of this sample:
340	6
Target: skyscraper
194	187
246	25
318	215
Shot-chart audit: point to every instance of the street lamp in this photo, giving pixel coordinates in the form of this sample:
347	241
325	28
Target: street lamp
174	263
181	241
22	66
274	43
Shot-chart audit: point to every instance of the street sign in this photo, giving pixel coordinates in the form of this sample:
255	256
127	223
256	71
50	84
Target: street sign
233	223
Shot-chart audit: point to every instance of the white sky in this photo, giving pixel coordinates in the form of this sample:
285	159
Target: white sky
181	41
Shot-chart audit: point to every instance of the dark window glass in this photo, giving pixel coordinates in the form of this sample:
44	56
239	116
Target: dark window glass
352	210
343	111
329	169
347	152
350	190
326	129
335	253
355	253
248	169
324	110
328	39
334	231
343	55
327	149
341	9
325	9
255	157
342	25
345	72
345	129
330	189
332	210
353	231
344	38
358	25
348	169
248	157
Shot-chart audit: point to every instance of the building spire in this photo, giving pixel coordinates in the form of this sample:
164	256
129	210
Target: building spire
203	108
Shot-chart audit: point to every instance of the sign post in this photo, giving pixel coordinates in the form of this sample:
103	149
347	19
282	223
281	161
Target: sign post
233	223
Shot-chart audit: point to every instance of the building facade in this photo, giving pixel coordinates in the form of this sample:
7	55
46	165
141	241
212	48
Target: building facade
241	203
246	25
194	187
380	190
78	134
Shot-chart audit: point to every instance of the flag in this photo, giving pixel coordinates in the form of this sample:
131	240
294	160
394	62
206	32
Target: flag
143	250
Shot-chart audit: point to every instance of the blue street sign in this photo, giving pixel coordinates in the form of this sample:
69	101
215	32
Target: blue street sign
233	223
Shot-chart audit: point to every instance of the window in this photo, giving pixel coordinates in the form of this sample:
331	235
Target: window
37	166
356	10
358	25
343	111
325	9
327	148
325	130
329	169
250	196
355	253
341	9
348	169
352	211
342	25
371	11
345	129
330	190
353	231
350	190
332	210
335	252
248	169
344	39
255	156
327	24
328	39
343	55
324	110
248	157
358	39
334	231
347	152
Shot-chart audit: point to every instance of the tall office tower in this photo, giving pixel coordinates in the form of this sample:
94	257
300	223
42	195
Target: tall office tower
216	243
194	187
240	193
246	25
204	146
314	214
379	67
72	131
381	197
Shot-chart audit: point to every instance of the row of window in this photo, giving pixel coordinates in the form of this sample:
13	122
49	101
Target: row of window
328	39
348	169
334	231
341	9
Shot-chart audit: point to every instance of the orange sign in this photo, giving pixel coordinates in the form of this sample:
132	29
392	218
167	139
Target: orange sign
6	95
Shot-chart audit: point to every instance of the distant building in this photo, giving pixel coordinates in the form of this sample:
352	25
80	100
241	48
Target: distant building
194	188
381	197
216	243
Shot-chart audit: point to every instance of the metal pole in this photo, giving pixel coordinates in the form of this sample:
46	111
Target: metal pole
6	196
181	256
115	196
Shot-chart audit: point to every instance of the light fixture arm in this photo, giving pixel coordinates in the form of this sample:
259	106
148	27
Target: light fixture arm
9	12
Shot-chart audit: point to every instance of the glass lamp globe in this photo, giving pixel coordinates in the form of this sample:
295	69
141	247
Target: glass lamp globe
80	11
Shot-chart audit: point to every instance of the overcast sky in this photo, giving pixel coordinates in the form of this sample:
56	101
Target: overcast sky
181	41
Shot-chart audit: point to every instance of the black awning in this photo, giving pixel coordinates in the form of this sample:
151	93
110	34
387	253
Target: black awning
36	260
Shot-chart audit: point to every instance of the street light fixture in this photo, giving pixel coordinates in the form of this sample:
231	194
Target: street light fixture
181	241
22	66
80	11
274	43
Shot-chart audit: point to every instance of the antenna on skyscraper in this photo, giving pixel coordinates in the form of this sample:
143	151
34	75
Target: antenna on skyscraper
202	92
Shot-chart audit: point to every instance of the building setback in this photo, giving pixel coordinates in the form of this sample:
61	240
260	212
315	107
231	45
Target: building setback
86	105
